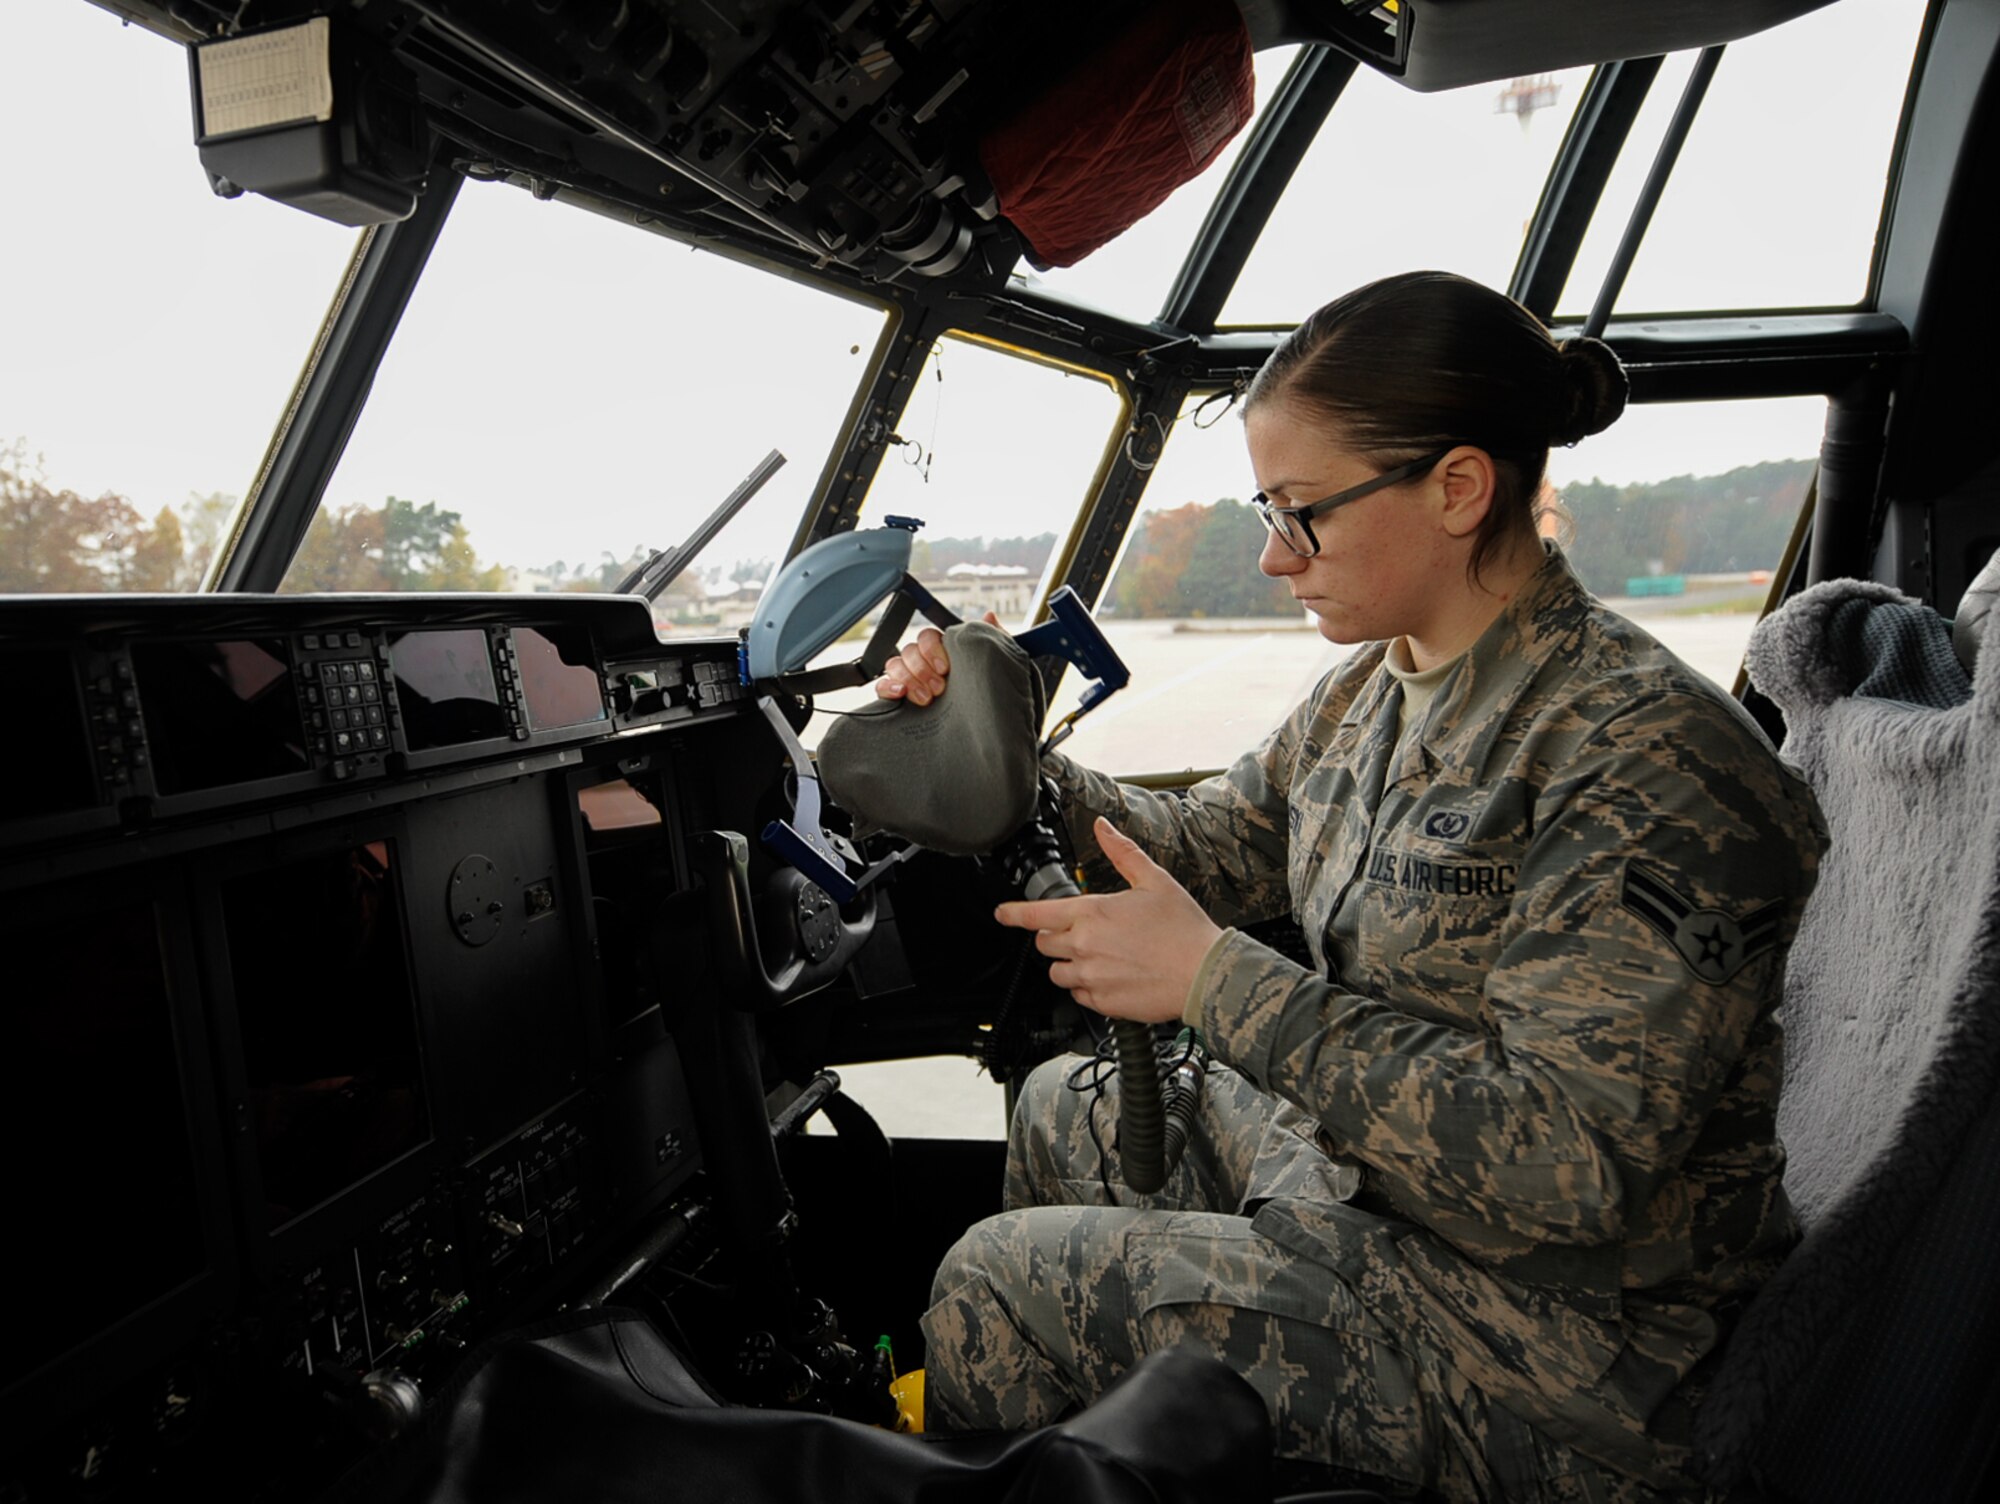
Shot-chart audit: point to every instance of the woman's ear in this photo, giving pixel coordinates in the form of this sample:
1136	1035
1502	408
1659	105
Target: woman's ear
1469	481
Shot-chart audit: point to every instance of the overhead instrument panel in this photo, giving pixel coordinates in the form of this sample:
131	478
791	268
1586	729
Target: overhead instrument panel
877	138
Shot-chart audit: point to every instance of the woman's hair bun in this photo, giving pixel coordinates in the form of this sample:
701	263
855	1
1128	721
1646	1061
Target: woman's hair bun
1591	389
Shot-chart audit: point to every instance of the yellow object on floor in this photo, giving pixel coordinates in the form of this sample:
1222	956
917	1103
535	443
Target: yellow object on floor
908	1392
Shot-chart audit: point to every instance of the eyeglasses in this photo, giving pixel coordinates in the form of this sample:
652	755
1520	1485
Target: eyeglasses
1293	525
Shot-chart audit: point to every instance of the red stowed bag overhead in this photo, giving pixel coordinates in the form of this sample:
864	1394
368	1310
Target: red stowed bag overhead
1144	113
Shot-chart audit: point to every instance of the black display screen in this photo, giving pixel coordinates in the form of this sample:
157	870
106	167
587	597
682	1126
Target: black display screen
103	1167
219	712
45	763
445	684
558	677
328	1022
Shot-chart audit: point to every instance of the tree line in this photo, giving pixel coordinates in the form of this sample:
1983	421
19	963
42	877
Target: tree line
1194	560
1198	560
1690	524
58	541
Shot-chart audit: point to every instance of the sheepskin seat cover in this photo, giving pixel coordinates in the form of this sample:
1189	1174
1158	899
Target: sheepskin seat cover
1860	1370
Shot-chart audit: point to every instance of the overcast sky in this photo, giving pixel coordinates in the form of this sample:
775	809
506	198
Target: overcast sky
574	387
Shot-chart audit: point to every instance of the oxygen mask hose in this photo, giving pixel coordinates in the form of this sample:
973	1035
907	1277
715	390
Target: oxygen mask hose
1034	863
1142	1122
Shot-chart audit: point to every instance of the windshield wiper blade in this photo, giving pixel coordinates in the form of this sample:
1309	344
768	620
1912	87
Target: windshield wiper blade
651	578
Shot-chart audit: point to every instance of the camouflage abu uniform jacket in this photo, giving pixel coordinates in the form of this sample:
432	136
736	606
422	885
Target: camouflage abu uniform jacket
1548	932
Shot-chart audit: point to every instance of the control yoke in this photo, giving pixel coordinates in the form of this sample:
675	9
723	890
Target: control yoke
962	777
812	602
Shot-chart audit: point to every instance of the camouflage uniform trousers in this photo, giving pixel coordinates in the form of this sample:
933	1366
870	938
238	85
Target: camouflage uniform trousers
1036	1311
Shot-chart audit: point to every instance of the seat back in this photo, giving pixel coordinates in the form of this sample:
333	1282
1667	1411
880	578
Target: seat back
1865	1368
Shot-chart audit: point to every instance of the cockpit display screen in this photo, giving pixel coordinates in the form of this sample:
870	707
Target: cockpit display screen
104	1164
324	1008
45	768
558	677
219	713
445	684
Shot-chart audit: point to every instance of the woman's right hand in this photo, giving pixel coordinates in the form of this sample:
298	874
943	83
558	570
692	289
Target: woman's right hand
918	672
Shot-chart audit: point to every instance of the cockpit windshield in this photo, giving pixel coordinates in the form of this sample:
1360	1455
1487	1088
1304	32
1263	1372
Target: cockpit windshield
566	395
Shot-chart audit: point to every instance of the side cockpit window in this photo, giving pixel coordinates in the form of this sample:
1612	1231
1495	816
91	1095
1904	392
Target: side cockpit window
1677	515
152	331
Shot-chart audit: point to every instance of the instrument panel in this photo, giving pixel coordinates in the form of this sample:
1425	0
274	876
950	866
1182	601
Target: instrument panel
189	714
345	939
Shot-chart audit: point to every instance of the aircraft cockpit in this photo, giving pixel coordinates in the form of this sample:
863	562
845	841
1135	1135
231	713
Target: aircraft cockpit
430	925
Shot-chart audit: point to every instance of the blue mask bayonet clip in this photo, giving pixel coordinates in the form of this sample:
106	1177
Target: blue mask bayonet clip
822	593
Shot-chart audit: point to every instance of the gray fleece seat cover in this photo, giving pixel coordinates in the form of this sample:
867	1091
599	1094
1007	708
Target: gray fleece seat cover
958	775
1855	1372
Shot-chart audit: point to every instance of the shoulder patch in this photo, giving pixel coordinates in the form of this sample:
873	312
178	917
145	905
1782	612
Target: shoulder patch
1714	945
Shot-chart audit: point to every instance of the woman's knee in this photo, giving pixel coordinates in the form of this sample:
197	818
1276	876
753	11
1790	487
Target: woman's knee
992	1359
1041	1096
1031	1314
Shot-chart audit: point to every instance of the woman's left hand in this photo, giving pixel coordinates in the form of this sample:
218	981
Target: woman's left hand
1127	955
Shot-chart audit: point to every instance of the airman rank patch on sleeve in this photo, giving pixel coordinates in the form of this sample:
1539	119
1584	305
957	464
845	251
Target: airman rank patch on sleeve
1715	945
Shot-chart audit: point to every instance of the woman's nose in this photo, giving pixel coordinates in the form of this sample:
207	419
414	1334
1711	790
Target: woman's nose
1276	560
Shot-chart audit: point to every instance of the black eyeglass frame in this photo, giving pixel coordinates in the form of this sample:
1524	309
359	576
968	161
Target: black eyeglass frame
1305	514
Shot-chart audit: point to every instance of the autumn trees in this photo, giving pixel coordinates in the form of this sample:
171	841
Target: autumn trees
398	546
59	541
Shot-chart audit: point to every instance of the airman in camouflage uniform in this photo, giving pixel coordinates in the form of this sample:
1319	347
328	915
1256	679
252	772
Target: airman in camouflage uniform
1488	1178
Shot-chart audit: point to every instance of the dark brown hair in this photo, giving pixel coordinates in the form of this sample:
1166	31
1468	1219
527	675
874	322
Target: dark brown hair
1423	360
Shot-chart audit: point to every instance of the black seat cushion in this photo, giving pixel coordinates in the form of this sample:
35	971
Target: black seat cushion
599	1407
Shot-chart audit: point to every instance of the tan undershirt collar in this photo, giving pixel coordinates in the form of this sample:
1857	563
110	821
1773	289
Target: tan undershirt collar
1420	686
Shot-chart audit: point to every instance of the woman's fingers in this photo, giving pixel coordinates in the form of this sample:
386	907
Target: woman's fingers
895	681
1056	945
918	672
925	663
929	647
1132	954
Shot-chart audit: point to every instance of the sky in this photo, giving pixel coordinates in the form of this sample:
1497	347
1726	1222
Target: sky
577	389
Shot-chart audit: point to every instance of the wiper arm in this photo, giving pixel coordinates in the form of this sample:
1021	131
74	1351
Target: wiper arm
651	578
